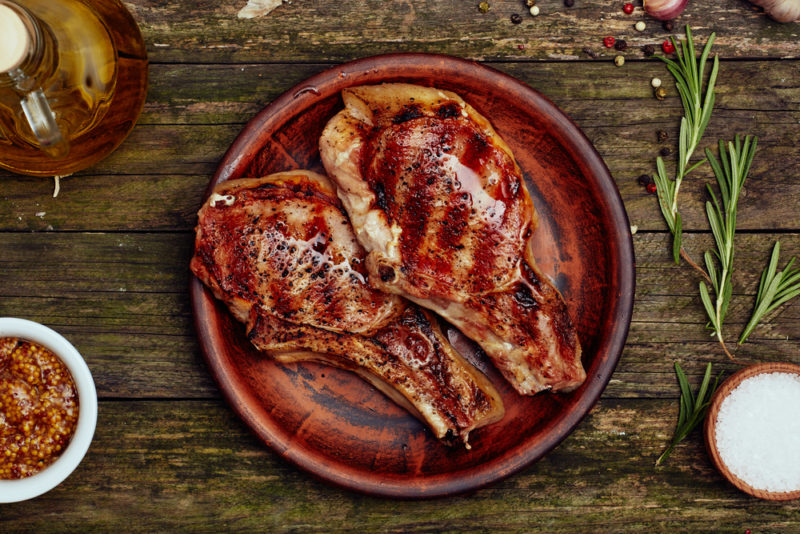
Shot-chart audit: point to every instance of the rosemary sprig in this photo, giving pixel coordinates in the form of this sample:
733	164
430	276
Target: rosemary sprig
697	106
731	175
693	408
775	288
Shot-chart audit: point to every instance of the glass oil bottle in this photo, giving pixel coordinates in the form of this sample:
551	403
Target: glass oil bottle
73	79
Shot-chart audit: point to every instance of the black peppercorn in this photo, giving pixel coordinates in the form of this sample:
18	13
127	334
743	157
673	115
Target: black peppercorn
668	25
569	3
621	44
665	152
516	18
644	179
662	136
589	52
649	50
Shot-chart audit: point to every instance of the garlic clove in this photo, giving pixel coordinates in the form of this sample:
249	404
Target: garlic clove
781	10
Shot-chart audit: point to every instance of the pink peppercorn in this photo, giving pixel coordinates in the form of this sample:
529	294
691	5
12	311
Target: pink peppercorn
651	188
628	8
609	41
667	47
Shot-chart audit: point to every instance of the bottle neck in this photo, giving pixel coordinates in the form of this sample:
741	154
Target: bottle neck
20	38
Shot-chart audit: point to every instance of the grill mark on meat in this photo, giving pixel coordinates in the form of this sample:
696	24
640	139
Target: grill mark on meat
290	254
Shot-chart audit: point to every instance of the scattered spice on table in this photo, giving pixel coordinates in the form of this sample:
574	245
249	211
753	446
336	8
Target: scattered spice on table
648	50
668	47
665	152
569	3
668	25
534	10
619	61
661	135
516	18
640	26
644	179
621	45
661	93
656	83
609	41
483	7
628	8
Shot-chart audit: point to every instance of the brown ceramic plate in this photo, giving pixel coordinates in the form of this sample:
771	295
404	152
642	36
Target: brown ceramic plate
342	430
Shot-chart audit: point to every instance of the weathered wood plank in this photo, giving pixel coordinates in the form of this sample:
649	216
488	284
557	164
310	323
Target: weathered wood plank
178	466
169	158
211	32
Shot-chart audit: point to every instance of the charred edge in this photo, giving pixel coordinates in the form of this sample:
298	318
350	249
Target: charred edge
386	273
409	112
523	296
380	196
448	110
531	277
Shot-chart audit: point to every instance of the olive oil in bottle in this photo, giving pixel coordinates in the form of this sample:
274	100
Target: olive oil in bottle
73	79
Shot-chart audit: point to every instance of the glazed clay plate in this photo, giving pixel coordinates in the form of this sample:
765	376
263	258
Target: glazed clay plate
335	425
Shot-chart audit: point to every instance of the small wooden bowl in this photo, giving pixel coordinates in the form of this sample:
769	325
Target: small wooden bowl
711	423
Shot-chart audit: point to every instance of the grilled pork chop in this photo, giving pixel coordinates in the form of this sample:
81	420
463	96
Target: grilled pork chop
280	252
438	201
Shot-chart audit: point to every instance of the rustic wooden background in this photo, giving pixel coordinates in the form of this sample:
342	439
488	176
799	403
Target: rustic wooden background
105	263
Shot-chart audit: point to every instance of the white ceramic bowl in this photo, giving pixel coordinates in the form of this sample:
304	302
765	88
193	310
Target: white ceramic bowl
52	475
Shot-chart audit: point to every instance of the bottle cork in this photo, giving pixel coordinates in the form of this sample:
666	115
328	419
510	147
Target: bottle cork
14	39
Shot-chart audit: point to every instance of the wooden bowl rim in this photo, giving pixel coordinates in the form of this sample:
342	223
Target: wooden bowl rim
709	430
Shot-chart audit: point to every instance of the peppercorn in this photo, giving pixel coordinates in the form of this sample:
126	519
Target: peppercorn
619	61
628	8
516	18
644	180
569	3
530	3
640	26
534	11
589	52
667	47
608	41
483	7
651	188
665	152
668	25
656	83
661	93
621	45
662	136
648	50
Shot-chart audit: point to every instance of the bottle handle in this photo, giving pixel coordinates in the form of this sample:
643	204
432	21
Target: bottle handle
43	123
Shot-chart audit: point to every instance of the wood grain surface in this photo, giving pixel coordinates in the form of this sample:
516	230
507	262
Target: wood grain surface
105	264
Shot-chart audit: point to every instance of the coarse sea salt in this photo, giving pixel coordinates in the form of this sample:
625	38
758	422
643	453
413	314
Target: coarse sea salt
758	431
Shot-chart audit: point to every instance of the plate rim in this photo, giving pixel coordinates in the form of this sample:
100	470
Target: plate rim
240	154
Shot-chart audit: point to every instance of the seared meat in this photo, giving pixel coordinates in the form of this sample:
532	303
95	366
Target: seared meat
438	201
280	252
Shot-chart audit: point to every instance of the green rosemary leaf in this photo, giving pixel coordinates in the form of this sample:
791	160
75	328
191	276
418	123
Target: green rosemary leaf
692	408
697	106
677	238
706	298
730	171
774	288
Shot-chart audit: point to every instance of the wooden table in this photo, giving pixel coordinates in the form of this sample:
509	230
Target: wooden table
105	264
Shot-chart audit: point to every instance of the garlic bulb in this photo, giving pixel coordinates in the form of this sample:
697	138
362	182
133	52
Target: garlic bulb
664	9
781	10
